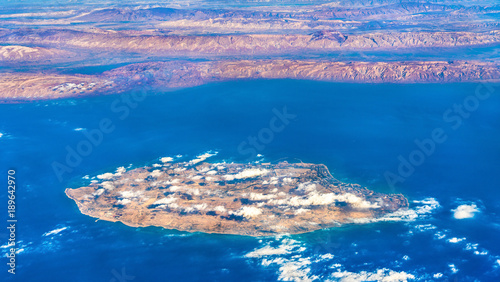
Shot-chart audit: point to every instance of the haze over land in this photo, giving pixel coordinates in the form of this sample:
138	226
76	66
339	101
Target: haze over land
58	51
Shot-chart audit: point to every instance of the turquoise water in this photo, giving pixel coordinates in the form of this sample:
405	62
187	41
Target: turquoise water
357	130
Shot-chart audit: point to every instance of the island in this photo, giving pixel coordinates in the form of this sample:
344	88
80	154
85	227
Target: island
253	199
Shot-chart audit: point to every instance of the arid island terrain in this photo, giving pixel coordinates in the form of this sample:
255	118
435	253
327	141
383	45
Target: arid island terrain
230	198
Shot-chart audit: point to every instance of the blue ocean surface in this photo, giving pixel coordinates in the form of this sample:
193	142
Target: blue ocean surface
364	133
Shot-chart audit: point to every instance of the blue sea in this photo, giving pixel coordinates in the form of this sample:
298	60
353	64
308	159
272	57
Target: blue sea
365	133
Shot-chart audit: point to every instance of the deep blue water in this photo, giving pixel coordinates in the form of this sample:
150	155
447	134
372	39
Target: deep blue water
357	130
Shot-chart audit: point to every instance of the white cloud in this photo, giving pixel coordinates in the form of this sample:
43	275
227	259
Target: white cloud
260	197
123	202
301	210
247	173
248	212
98	192
228	177
55	231
268	251
465	211
308	187
200	206
317	199
121	170
166	200
108	185
201	158
155	173
293	265
383	274
175	188
427	206
295	270
424	227
437	275
286	246
166	159
220	209
453	268
131	194
288	257
455	240
424	208
106	176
